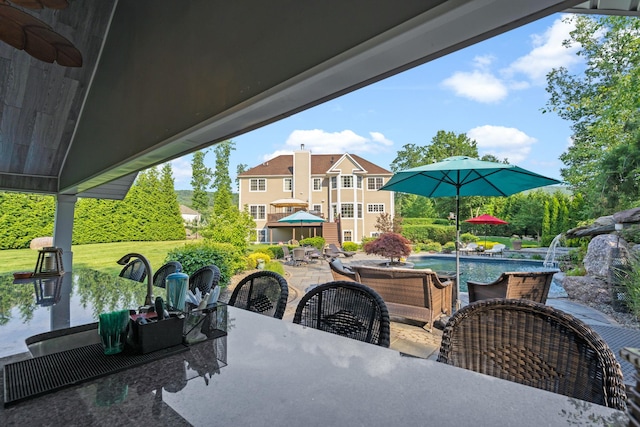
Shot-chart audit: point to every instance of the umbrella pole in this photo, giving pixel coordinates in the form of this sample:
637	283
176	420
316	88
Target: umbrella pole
457	302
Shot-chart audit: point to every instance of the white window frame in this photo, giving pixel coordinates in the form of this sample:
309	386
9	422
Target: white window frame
372	183
343	206
347	235
317	184
261	235
374	208
344	179
334	182
359	209
359	181
257	182
257	213
287	184
316	208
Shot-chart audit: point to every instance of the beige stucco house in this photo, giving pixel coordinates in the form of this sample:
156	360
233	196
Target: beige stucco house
341	188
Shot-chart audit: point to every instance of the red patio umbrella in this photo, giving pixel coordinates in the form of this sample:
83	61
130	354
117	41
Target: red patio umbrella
486	219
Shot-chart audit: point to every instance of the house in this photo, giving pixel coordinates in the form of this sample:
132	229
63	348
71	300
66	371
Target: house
341	188
189	216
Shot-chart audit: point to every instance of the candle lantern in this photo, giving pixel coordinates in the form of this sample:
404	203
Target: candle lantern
49	262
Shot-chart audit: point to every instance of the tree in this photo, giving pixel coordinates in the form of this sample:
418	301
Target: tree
600	103
227	223
200	181
389	245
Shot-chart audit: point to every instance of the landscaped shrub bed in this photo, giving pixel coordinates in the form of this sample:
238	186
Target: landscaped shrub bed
225	256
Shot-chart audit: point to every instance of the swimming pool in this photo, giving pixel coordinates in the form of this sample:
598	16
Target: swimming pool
481	269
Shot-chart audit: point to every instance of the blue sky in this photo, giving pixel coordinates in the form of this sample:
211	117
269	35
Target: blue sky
493	91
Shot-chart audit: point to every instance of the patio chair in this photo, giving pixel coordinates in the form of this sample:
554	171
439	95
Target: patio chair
469	248
495	250
535	345
134	270
263	292
299	256
346	308
533	285
288	257
205	278
314	255
334	251
160	276
339	271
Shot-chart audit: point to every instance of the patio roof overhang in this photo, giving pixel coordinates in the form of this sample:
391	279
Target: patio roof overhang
161	79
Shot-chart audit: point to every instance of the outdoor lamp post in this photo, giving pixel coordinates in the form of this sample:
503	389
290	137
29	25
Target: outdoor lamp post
618	226
125	259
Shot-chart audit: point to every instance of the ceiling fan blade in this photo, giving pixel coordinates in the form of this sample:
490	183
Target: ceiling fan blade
11	32
49	46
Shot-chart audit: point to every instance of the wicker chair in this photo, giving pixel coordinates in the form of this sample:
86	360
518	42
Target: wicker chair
536	345
339	271
533	286
134	270
264	292
205	279
160	276
346	308
418	294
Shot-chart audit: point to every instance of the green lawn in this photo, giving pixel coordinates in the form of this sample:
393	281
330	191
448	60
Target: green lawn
102	256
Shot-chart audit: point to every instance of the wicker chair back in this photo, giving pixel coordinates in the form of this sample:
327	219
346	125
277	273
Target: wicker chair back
263	292
346	308
536	345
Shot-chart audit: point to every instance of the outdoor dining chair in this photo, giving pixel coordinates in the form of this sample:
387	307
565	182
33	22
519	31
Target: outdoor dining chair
263	292
300	256
134	270
205	278
346	308
532	285
535	345
160	276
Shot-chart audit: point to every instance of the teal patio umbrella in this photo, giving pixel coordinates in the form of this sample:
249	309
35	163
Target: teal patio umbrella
301	217
465	176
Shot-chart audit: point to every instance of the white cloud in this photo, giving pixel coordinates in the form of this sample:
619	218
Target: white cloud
502	142
486	86
319	141
477	85
181	168
548	53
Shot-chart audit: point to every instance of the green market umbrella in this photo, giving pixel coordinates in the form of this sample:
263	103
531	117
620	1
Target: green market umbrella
302	217
465	176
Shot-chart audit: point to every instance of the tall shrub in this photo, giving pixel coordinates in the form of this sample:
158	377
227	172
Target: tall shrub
389	245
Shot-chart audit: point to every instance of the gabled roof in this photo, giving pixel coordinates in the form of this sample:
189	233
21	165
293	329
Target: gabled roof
186	210
320	165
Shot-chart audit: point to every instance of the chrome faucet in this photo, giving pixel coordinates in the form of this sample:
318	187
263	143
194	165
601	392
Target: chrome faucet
125	259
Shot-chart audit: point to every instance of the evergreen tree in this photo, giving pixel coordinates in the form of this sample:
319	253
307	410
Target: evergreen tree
200	181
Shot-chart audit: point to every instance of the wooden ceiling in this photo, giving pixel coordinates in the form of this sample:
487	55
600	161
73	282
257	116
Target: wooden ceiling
163	78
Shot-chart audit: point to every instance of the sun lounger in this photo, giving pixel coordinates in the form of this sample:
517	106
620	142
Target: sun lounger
334	251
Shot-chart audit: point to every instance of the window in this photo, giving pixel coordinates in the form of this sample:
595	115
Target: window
347	236
334	182
375	208
359	210
346	181
316	208
258	184
359	182
258	211
374	183
334	208
374	234
261	235
317	184
346	210
287	184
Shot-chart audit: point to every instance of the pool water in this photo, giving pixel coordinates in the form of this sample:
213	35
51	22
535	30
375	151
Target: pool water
482	270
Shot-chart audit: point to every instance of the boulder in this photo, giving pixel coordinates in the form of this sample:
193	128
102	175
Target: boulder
630	216
602	253
587	289
602	225
41	242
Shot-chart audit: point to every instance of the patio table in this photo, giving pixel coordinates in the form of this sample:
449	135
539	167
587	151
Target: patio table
280	373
